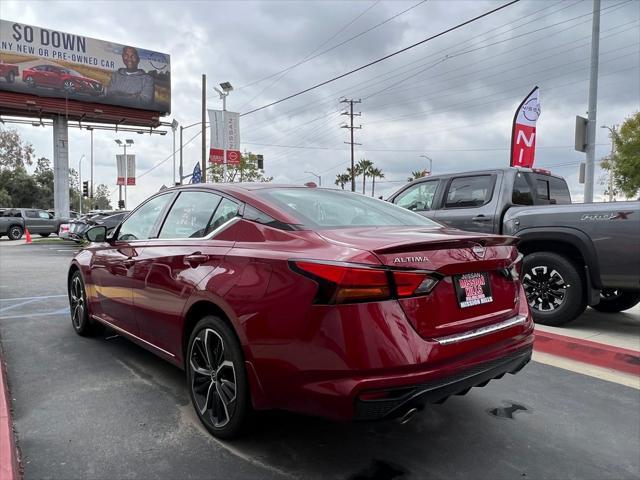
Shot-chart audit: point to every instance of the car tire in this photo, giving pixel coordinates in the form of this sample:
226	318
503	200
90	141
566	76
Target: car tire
82	323
15	232
612	301
217	379
554	288
31	83
45	235
11	77
69	86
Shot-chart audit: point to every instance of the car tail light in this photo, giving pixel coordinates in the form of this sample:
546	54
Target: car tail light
409	284
344	283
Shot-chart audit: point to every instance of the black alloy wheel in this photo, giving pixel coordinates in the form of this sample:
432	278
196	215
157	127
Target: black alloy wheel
554	288
69	86
30	81
80	319
15	232
216	378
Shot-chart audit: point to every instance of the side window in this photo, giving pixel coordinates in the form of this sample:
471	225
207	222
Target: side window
418	197
559	193
225	212
469	192
542	190
140	225
31	213
44	215
190	215
521	191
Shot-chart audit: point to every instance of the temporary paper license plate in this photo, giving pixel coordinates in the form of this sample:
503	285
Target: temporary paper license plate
472	289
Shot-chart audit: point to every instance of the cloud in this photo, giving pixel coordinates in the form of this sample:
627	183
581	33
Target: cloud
452	98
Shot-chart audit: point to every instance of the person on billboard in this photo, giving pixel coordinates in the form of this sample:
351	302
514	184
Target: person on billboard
131	83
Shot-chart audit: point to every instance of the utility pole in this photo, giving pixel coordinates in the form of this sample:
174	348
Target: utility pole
593	100
613	132
204	128
181	167
351	127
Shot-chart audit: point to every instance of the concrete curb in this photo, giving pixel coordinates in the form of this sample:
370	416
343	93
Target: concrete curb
586	351
9	466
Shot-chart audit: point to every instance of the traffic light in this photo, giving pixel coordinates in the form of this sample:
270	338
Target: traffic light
121	204
85	189
260	162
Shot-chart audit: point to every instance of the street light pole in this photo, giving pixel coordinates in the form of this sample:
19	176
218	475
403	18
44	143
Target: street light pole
319	177
612	159
124	144
180	169
91	186
80	179
224	93
430	163
174	127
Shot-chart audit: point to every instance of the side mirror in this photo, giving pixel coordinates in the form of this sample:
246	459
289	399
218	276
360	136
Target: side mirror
97	233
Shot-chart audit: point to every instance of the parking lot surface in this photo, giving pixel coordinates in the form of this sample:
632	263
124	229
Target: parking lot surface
105	408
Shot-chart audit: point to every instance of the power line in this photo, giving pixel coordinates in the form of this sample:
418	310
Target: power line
397	52
341	43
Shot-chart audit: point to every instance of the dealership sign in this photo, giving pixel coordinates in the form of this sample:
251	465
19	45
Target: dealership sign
55	64
130	175
523	133
225	137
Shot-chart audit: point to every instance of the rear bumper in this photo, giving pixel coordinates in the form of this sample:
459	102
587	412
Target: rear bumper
399	401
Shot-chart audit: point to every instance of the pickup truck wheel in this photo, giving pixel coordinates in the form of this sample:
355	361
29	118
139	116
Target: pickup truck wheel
612	301
15	232
554	288
31	83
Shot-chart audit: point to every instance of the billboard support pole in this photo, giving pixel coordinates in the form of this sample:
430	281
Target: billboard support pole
204	132
60	166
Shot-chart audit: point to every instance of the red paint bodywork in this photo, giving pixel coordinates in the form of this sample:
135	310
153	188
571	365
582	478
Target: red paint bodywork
55	78
314	359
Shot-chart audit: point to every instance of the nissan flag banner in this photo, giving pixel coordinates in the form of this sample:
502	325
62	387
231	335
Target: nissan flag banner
131	170
225	137
523	135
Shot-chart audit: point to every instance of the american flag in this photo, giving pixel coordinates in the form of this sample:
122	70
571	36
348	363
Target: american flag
196	177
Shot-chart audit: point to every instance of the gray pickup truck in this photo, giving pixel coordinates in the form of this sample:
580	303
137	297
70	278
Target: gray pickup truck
575	254
34	219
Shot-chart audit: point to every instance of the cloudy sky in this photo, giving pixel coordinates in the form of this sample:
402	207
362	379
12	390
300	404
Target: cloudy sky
452	98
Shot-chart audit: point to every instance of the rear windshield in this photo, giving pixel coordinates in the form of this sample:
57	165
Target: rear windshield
320	208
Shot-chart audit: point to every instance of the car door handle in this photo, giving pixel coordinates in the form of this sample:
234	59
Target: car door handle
195	259
129	262
481	218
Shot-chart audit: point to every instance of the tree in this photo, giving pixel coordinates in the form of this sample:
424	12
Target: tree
74	190
375	173
416	175
102	198
363	167
247	171
342	179
624	164
43	175
14	153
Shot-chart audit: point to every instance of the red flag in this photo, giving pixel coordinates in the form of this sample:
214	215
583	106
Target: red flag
523	134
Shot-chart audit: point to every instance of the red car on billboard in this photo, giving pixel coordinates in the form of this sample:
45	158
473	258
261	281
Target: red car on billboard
59	78
8	72
312	300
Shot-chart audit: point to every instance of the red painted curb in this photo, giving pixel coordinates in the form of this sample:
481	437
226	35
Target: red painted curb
9	469
594	353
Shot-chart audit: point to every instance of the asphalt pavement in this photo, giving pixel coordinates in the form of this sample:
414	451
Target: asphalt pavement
106	408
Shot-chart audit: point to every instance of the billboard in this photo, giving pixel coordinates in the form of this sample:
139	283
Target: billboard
49	63
225	137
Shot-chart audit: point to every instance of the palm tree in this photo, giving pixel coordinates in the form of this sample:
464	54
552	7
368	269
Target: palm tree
364	167
416	175
342	179
375	173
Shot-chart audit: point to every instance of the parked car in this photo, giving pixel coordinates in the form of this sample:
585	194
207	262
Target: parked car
572	251
78	227
11	224
59	78
8	72
312	300
37	220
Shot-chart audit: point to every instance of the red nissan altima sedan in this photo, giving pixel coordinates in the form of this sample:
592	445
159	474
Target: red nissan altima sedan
311	300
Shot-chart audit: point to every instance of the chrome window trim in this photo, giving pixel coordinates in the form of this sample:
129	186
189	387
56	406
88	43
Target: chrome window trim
479	332
210	236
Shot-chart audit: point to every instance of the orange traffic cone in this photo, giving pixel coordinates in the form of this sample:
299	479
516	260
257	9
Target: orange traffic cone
26	230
